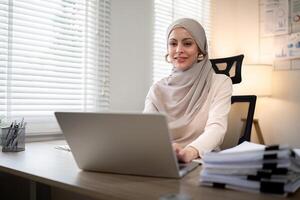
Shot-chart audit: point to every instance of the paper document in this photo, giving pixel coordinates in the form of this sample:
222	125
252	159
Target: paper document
253	167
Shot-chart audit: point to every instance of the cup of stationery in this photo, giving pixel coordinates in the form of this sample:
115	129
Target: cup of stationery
13	137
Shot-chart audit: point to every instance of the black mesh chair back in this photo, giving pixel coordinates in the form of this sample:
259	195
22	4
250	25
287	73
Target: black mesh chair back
232	67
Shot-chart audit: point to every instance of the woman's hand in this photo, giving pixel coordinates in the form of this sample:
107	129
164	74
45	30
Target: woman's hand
185	155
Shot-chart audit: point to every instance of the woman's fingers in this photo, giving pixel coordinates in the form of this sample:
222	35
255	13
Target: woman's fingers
184	156
177	148
187	154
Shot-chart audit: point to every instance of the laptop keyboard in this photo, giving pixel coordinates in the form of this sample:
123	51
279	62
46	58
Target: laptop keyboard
182	165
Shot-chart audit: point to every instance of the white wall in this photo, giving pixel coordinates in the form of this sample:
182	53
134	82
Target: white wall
131	53
280	114
236	30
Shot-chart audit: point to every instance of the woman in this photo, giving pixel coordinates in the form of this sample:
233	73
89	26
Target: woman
194	98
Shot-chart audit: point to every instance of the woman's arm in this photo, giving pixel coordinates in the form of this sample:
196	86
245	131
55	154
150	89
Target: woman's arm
216	125
149	106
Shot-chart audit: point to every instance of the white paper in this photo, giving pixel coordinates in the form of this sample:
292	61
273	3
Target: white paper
281	47
275	17
245	146
294	45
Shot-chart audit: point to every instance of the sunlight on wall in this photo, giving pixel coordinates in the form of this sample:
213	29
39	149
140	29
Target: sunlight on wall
279	120
256	80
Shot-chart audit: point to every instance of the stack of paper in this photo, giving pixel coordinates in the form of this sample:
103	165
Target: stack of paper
252	167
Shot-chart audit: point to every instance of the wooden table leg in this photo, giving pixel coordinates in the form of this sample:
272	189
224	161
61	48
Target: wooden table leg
258	131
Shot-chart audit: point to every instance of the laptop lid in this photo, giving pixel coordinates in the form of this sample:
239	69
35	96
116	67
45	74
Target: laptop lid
125	143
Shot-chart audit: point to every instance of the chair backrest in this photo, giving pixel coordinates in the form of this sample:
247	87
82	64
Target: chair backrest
243	106
231	66
240	120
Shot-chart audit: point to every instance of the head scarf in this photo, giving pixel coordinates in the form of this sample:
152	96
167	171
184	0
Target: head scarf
181	95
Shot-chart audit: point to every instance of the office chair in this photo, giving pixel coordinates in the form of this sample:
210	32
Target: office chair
230	66
243	106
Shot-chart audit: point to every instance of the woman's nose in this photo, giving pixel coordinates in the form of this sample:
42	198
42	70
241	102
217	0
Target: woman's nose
179	48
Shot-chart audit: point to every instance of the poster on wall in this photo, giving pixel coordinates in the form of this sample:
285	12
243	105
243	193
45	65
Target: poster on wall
295	12
281	50
287	46
275	16
294	45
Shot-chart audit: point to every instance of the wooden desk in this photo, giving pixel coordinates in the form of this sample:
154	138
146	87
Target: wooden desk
42	163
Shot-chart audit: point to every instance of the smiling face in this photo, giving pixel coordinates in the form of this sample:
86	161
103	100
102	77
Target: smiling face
182	49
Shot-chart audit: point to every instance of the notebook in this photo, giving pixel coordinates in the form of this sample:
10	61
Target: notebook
123	143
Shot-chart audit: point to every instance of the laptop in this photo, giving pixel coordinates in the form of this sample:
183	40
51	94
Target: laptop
123	143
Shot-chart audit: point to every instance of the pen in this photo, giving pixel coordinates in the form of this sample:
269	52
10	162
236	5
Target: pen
15	140
10	135
13	135
9	129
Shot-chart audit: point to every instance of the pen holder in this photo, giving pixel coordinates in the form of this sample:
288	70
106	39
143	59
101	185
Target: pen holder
13	139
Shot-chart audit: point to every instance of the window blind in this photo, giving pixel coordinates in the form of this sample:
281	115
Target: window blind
165	12
54	56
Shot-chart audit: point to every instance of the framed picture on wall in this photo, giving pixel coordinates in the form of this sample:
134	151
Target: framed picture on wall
274	17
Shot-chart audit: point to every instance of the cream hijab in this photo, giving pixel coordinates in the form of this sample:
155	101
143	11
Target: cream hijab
181	95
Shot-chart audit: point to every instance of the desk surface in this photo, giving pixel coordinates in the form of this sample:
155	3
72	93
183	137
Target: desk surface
43	163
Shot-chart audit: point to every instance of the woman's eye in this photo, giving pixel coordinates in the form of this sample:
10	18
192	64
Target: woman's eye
172	44
188	43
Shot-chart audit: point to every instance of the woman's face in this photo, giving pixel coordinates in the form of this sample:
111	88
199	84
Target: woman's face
182	49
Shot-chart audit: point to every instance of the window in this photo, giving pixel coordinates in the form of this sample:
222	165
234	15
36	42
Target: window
54	56
165	12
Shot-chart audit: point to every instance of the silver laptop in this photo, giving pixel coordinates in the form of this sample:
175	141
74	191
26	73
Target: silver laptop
137	144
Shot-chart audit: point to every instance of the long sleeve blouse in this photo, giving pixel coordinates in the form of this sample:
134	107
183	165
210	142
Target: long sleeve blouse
207	130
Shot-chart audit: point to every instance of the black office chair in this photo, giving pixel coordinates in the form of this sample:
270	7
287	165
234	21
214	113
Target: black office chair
232	67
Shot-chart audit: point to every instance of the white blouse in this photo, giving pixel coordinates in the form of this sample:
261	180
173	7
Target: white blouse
207	130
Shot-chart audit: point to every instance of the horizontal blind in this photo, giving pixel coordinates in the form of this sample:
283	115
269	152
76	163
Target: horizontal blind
167	11
54	57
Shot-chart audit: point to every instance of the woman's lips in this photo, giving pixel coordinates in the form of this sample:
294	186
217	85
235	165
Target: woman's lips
181	59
